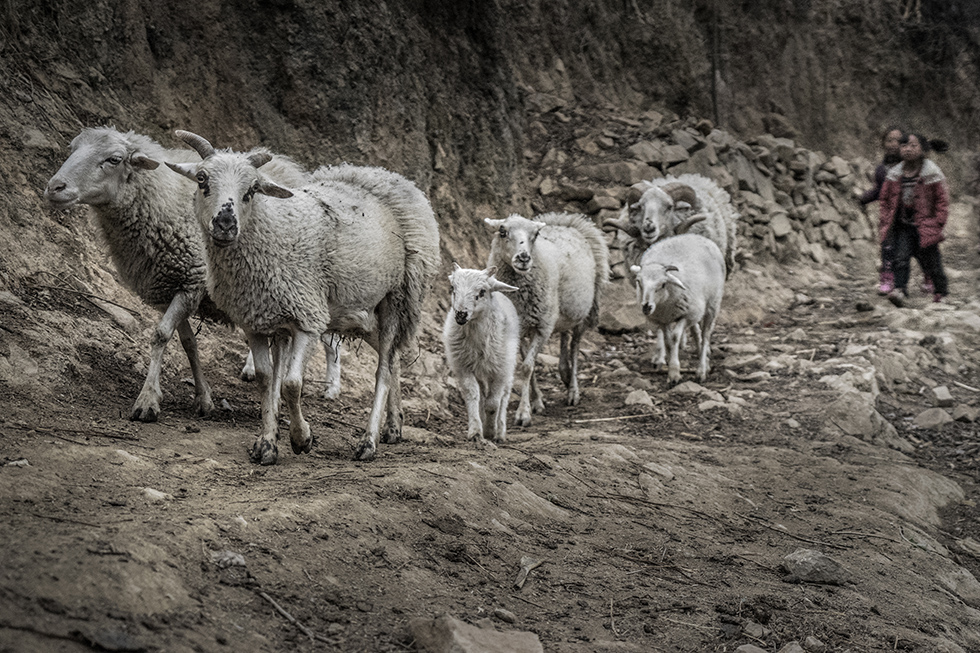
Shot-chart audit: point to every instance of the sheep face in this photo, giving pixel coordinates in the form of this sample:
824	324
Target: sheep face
648	216
515	240
653	285
97	171
227	183
472	291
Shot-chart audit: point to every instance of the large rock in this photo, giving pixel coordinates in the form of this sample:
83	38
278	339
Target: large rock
809	566
854	414
619	311
446	634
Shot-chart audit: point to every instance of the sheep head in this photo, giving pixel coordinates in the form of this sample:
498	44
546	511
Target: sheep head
653	212
101	165
227	182
514	243
473	291
653	283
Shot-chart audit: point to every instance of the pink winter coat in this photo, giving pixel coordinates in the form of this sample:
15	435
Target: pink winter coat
931	202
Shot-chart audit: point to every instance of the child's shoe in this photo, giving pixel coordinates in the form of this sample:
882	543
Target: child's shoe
886	282
937	298
927	288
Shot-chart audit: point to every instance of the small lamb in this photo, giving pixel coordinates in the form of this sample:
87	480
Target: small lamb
680	283
481	336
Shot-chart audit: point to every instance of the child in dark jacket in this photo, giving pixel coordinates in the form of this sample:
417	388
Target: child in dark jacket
890	143
914	208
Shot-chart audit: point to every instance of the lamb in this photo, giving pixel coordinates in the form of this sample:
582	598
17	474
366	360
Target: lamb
672	205
680	283
352	252
481	336
155	243
560	263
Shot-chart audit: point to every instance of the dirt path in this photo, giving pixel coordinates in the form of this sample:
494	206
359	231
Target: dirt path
661	527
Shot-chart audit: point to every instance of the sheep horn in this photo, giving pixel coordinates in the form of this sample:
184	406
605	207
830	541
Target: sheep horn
681	193
623	224
199	143
683	227
633	195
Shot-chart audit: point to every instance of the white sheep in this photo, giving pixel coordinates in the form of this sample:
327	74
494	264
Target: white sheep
672	205
147	218
353	253
481	336
560	263
680	284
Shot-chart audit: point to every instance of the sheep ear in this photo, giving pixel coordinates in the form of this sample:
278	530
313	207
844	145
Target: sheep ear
456	266
674	280
186	169
143	162
681	205
500	286
636	269
259	159
493	223
266	187
490	271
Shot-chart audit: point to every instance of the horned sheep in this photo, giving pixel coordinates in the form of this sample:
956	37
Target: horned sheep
147	218
352	252
481	336
560	264
680	283
673	205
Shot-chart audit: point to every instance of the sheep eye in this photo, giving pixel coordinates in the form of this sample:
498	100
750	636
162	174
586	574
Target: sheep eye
503	232
114	160
481	294
202	177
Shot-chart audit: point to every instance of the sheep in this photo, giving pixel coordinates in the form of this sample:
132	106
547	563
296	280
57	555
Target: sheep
148	222
481	336
352	252
680	283
673	205
560	263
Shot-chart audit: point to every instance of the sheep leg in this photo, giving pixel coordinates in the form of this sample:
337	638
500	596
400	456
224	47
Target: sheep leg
368	445
203	405
673	334
660	356
332	347
707	327
296	357
570	376
526	371
393	426
147	406
248	370
265	451
497	401
470	389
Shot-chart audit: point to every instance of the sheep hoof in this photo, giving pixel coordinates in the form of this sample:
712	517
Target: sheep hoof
145	414
484	445
365	451
247	377
331	393
203	406
523	420
573	399
391	434
264	453
305	447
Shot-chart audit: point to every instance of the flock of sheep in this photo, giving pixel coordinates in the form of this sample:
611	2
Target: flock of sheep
296	257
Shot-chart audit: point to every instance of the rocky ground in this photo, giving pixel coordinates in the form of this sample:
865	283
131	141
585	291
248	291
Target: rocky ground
662	520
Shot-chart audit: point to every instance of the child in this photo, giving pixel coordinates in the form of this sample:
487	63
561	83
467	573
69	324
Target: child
890	143
914	208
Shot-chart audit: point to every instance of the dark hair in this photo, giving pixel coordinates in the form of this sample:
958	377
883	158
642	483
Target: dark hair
890	129
934	145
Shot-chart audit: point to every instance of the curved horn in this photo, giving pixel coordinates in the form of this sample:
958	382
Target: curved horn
199	143
259	159
683	227
623	224
633	195
681	193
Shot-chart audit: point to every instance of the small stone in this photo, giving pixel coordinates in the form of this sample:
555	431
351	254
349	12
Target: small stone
963	413
749	648
155	495
18	463
639	397
505	615
809	566
687	388
752	629
798	335
792	647
225	559
814	645
941	397
933	418
709	405
792	423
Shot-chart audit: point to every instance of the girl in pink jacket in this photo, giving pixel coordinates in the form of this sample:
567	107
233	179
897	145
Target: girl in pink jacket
914	204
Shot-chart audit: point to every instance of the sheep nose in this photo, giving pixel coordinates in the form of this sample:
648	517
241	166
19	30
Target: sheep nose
647	309
523	257
225	220
461	317
55	186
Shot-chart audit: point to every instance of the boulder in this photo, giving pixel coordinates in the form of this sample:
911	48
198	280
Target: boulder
446	634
